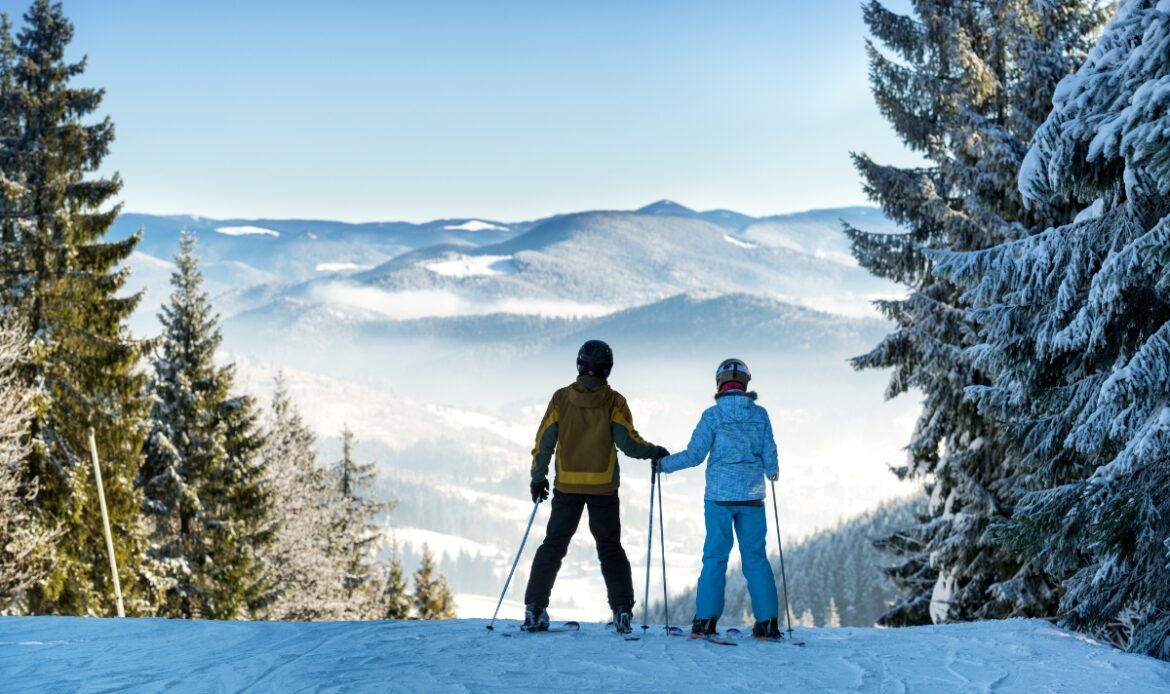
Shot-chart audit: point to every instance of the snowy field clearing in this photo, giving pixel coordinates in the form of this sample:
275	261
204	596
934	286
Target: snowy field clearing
47	654
472	266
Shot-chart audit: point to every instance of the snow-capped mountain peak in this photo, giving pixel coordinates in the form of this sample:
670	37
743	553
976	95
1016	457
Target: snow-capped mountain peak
668	207
475	225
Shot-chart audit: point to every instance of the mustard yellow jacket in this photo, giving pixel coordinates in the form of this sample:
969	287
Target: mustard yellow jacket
586	422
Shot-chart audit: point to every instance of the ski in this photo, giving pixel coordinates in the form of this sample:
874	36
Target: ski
709	638
554	629
563	626
629	636
775	639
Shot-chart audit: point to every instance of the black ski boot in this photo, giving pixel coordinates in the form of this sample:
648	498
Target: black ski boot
767	629
535	618
703	627
621	620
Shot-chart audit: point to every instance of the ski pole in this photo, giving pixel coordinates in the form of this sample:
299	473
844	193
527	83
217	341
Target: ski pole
662	548
491	627
649	554
783	574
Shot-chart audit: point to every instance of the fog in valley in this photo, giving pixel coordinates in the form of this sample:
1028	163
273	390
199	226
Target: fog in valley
439	346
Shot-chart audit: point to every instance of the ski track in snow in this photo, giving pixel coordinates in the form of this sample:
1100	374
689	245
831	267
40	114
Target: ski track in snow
66	654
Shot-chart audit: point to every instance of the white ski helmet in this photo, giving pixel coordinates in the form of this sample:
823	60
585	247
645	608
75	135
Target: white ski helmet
732	370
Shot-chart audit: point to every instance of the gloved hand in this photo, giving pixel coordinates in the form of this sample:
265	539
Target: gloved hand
774	476
539	489
655	461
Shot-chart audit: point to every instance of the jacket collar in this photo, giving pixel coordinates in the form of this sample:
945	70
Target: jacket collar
591	382
750	395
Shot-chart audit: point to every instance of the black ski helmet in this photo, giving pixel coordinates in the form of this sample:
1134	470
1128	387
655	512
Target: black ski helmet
732	370
595	358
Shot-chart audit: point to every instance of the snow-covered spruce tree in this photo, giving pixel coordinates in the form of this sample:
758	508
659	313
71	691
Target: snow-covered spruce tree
11	252
834	618
307	578
356	534
432	597
23	544
964	84
65	286
1077	328
395	595
202	479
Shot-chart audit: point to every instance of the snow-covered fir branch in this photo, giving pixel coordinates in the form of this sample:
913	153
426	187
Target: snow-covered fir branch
1075	332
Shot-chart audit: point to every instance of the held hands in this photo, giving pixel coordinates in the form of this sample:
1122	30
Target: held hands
539	489
655	462
774	476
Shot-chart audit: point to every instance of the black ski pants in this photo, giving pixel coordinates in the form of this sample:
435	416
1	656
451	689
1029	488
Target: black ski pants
606	525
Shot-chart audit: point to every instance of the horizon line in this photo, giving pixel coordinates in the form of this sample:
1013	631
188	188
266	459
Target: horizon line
493	219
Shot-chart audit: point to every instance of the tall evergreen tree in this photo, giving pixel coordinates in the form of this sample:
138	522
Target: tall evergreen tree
22	542
1076	330
11	189
65	284
964	84
307	577
355	530
432	596
202	477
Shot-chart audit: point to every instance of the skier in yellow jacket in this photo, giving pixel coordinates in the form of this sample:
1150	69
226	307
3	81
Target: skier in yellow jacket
586	422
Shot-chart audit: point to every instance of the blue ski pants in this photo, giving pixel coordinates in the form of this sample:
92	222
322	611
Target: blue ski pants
751	528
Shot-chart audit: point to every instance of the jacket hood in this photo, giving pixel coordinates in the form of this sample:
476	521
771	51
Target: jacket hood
589	398
738	409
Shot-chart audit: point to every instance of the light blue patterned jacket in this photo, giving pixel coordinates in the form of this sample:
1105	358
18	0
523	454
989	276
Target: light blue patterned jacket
737	434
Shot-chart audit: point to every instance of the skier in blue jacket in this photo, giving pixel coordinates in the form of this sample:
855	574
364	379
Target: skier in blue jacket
735	437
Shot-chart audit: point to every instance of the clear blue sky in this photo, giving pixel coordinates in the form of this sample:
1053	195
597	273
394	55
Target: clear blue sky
507	110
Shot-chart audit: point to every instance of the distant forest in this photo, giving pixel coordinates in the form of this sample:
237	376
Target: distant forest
836	577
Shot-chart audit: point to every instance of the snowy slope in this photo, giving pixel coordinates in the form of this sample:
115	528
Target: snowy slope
45	654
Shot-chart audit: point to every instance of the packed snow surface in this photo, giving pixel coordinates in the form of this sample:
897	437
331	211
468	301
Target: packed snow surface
247	231
57	654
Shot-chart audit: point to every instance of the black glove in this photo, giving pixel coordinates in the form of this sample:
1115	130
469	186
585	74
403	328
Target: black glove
539	489
659	454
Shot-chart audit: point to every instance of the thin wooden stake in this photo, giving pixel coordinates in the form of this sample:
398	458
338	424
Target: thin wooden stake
97	474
